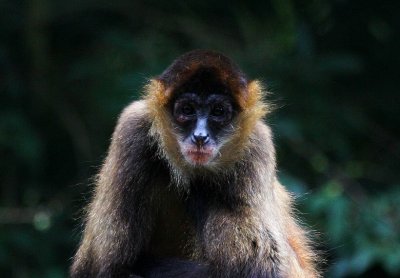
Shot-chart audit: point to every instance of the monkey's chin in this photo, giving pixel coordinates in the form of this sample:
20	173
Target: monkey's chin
198	156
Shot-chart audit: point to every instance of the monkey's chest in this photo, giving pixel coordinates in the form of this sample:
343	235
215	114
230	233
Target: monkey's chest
173	230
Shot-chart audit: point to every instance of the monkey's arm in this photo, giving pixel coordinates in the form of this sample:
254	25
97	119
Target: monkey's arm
118	220
238	245
249	242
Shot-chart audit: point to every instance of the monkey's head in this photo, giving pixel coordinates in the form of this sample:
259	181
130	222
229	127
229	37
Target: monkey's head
204	109
203	112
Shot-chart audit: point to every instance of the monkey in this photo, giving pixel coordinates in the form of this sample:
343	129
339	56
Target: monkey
189	186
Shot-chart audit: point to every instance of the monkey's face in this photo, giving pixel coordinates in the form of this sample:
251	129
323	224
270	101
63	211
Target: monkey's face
203	123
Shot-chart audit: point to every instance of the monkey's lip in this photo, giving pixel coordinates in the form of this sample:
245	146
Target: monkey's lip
199	156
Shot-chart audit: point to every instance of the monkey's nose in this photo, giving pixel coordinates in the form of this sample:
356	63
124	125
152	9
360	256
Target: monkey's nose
200	139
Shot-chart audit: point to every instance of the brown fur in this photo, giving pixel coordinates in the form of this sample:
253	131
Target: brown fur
233	218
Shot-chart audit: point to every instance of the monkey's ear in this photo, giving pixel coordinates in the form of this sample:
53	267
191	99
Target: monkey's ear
254	95
157	93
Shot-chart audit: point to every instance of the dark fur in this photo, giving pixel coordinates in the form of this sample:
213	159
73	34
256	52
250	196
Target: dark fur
151	218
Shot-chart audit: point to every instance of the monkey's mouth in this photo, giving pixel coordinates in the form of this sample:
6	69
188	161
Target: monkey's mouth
199	156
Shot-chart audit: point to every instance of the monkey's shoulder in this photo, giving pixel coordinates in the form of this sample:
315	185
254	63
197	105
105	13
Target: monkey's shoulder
261	136
262	130
136	112
133	126
134	120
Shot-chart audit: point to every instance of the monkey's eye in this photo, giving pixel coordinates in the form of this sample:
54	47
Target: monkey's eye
187	110
218	111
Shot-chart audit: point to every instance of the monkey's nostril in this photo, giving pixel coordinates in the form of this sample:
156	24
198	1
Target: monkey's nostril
200	139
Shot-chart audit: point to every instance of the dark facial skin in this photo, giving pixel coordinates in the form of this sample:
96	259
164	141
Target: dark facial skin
202	120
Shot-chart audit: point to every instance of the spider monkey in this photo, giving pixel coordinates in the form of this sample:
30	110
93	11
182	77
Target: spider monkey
189	186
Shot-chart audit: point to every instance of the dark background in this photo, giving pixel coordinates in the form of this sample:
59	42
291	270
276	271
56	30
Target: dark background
67	68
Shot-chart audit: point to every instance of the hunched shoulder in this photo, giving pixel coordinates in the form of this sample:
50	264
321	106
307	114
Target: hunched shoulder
133	129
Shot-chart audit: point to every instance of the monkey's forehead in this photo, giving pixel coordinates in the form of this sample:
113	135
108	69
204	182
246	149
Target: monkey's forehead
204	66
189	64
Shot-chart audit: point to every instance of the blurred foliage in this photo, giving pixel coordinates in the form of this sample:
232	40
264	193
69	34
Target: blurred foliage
67	68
